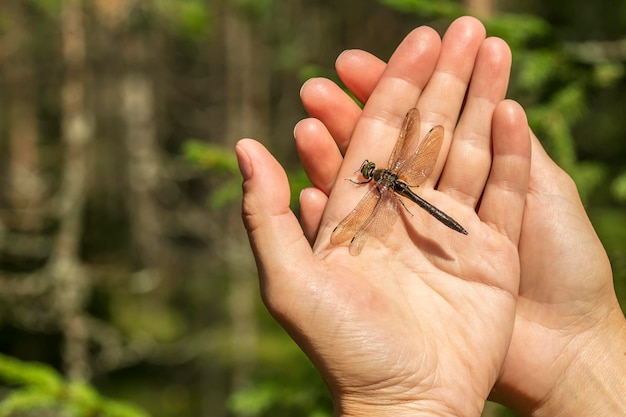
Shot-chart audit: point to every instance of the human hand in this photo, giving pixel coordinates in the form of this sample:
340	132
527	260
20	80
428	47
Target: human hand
569	329
420	322
567	354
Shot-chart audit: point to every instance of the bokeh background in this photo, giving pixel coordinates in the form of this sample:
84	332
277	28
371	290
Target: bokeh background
127	286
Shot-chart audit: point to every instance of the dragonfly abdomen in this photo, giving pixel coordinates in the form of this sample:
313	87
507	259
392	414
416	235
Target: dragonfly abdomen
404	190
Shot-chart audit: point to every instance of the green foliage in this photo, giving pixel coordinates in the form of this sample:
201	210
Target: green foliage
535	69
607	74
517	29
35	386
220	160
190	18
254	8
298	181
309	71
26	400
134	314
427	8
34	375
270	397
194	19
209	156
216	160
51	7
502	411
287	385
555	117
619	187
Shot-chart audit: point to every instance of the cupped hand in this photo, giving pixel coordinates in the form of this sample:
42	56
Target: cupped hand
567	309
420	322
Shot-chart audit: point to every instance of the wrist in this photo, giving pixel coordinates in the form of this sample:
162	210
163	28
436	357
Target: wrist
423	410
594	383
370	406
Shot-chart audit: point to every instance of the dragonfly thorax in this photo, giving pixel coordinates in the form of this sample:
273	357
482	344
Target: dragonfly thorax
386	178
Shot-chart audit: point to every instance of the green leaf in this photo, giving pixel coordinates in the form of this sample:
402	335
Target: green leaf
254	8
607	74
211	157
537	68
427	8
26	400
229	191
618	187
255	400
82	398
43	388
588	176
51	7
122	409
17	372
191	18
517	29
194	19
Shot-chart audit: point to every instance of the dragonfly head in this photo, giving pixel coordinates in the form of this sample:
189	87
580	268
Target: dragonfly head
367	169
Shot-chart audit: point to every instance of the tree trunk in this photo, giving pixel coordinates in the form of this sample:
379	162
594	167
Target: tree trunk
247	104
64	266
481	8
144	167
25	186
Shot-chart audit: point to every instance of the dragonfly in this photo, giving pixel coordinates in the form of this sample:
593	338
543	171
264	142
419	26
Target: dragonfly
410	163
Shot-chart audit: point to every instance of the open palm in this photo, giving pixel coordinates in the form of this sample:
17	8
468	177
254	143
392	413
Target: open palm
421	320
566	298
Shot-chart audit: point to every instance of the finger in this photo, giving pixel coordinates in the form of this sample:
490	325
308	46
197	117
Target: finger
318	153
312	205
405	77
445	93
469	159
503	200
277	241
324	100
376	132
360	71
398	88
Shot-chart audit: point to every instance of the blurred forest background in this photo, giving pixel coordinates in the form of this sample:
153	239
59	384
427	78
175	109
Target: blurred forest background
127	287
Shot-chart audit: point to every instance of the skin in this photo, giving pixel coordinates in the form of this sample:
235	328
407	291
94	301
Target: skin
420	323
566	354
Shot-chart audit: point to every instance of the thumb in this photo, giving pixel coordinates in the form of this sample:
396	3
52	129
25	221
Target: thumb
281	250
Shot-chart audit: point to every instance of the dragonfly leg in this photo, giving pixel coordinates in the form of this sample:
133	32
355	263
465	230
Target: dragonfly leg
405	207
358	182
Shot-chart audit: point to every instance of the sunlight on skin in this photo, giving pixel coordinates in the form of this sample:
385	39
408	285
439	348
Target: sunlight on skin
568	291
369	320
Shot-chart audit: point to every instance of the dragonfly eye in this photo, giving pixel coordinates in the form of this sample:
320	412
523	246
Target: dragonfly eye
367	169
363	168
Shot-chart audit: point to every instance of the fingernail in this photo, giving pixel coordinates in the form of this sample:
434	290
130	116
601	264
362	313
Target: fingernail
245	165
302	87
295	128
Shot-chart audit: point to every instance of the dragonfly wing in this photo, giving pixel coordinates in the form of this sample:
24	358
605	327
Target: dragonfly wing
415	168
384	215
354	221
407	140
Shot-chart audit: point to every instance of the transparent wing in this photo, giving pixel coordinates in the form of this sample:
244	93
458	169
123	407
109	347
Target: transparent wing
407	140
415	168
373	216
354	221
383	216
